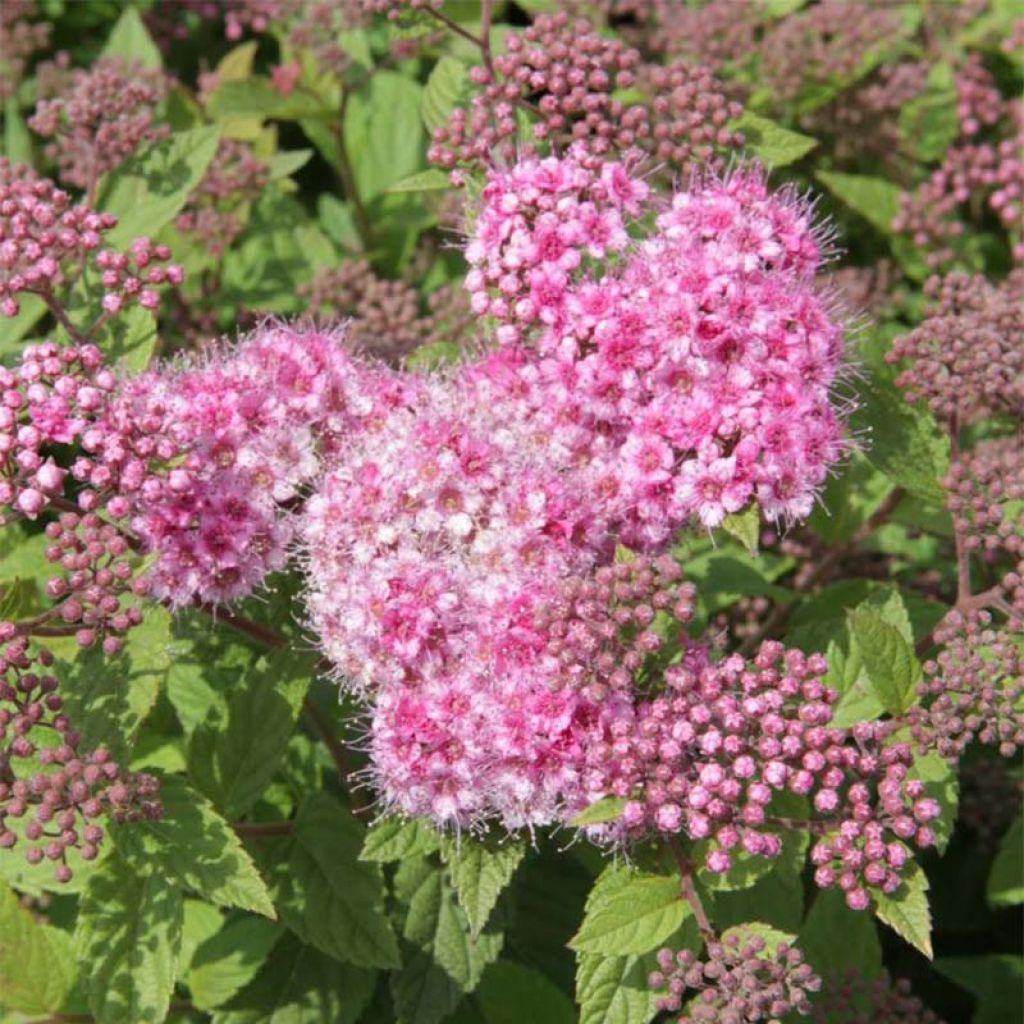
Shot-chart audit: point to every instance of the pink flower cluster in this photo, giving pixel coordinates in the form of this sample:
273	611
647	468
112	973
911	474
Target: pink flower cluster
247	422
45	242
705	360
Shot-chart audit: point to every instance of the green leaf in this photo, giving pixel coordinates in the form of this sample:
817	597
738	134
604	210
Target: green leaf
129	40
745	526
108	697
942	785
328	896
398	838
149	191
129	338
608	808
629	912
199	921
256	97
383	134
1006	878
830	917
613	989
890	661
447	87
929	123
480	871
281	165
510	994
232	756
226	962
13	329
432	180
194	846
36	960
127	937
17	140
903	440
996	982
442	961
770	142
906	911
875	199
300	985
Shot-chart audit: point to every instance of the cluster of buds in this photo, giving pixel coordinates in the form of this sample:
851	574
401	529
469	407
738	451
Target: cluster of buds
854	999
97	118
742	980
133	276
212	215
566	75
20	38
967	356
60	801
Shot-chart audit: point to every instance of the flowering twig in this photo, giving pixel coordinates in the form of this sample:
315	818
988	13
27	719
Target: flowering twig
689	890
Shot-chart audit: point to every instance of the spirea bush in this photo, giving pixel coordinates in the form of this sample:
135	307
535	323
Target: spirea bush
511	510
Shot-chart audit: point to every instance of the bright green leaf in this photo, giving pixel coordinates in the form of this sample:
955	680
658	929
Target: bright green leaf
770	142
889	660
36	960
830	917
629	912
431	180
226	962
396	838
906	911
745	526
130	40
609	808
613	989
151	188
447	87
875	199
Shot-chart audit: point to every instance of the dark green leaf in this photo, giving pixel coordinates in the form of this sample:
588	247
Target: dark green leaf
613	989
510	993
479	872
328	896
996	982
888	658
300	985
906	911
1006	879
830	917
397	838
225	963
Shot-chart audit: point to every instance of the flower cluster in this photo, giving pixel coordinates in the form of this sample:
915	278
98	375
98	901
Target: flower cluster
855	999
97	118
245	422
384	315
566	75
707	358
212	217
967	356
20	38
56	803
742	980
990	169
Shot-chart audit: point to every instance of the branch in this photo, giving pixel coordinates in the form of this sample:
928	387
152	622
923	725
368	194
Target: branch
60	315
689	890
325	730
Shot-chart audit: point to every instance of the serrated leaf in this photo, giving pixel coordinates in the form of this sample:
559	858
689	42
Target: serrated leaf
442	961
770	142
745	526
432	180
130	40
232	756
398	838
383	133
37	967
773	937
256	97
629	912
196	848
328	896
199	921
280	165
942	785
613	990
149	191
906	911
875	199
447	88
107	697
608	808
226	962
479	872
127	937
1006	878
299	985
889	660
